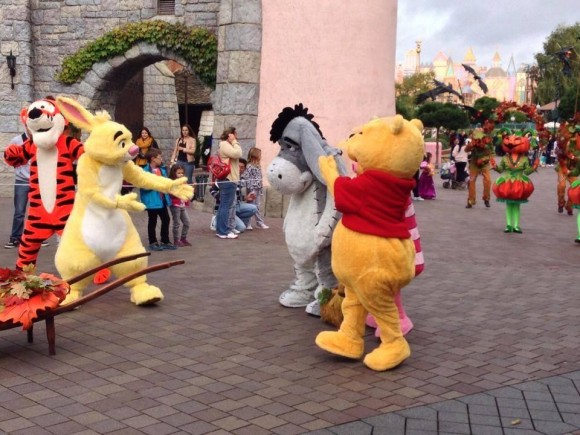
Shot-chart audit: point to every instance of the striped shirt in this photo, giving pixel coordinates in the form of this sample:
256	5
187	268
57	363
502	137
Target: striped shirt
415	236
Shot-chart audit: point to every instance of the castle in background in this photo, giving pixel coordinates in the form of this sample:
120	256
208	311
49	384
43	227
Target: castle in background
511	84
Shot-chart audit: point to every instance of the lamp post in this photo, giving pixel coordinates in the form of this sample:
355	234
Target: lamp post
418	50
513	120
11	61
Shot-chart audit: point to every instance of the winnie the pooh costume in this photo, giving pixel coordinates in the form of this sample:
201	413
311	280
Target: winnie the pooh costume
372	252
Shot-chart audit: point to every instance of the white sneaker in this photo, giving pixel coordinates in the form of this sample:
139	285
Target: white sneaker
263	226
212	223
313	308
249	228
295	298
227	236
236	231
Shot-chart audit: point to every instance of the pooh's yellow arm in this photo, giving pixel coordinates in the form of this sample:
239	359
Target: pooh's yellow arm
145	180
329	171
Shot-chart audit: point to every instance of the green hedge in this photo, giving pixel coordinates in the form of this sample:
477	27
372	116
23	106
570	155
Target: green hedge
196	45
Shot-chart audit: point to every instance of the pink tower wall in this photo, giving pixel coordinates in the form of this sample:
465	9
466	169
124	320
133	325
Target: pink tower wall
337	57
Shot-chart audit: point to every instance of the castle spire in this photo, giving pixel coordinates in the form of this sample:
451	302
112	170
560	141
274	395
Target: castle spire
496	60
469	58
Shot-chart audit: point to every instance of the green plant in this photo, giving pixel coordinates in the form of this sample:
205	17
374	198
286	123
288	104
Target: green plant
196	45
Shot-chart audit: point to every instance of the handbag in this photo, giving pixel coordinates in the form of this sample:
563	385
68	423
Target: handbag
218	168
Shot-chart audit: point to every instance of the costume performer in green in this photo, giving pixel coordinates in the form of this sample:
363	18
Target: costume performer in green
514	188
569	138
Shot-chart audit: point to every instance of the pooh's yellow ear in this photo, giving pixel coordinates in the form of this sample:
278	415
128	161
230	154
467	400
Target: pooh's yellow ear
396	125
75	113
417	123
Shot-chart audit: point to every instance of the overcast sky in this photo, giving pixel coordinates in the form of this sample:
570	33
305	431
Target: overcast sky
511	27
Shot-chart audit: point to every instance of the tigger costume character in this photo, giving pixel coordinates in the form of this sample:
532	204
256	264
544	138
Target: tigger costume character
52	190
99	228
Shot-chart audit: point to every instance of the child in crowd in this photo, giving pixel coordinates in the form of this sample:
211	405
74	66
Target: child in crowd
252	178
178	209
156	204
426	184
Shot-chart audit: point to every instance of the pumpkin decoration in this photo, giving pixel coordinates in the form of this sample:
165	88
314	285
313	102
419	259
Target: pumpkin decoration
514	189
574	193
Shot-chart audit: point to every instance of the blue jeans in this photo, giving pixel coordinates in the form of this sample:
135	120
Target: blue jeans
227	202
244	211
21	189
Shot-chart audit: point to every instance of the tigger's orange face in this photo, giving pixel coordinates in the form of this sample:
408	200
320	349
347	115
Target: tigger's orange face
45	123
111	144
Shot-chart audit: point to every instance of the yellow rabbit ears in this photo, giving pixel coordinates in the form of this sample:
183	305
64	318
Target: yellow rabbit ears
76	114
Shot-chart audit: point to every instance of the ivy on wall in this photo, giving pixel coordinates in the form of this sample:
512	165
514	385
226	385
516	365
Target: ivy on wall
196	45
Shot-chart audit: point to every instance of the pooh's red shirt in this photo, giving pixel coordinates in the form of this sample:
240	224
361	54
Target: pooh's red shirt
374	203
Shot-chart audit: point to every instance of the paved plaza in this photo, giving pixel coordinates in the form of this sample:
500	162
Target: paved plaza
495	348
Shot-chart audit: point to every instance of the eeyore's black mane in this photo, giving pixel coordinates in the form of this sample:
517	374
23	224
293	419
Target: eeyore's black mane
288	114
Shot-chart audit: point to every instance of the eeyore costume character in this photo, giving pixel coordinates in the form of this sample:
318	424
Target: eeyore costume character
311	215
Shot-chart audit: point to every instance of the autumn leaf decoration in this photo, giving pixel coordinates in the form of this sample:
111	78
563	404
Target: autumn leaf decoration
23	294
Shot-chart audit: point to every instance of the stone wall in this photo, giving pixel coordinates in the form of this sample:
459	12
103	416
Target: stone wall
235	100
206	123
160	112
15	36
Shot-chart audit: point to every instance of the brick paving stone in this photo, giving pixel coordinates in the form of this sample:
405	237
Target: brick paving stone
355	428
31	431
49	419
250	430
446	427
453	417
198	428
486	430
108	426
178	419
140	421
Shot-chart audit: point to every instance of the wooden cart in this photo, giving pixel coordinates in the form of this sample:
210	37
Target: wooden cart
49	315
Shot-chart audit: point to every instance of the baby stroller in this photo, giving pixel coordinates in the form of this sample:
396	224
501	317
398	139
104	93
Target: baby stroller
449	174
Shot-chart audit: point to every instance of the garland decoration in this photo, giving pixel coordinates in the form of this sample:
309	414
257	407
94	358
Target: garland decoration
196	45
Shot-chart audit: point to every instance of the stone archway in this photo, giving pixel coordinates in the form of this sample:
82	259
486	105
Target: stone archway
103	86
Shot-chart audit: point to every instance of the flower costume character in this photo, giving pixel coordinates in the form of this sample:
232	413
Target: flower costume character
311	215
514	188
373	254
481	154
99	228
569	143
568	162
52	190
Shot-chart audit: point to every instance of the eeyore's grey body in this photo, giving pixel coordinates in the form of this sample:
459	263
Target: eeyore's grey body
311	215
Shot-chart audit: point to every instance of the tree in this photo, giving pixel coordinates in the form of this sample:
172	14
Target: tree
560	70
486	107
415	84
407	91
442	115
405	106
